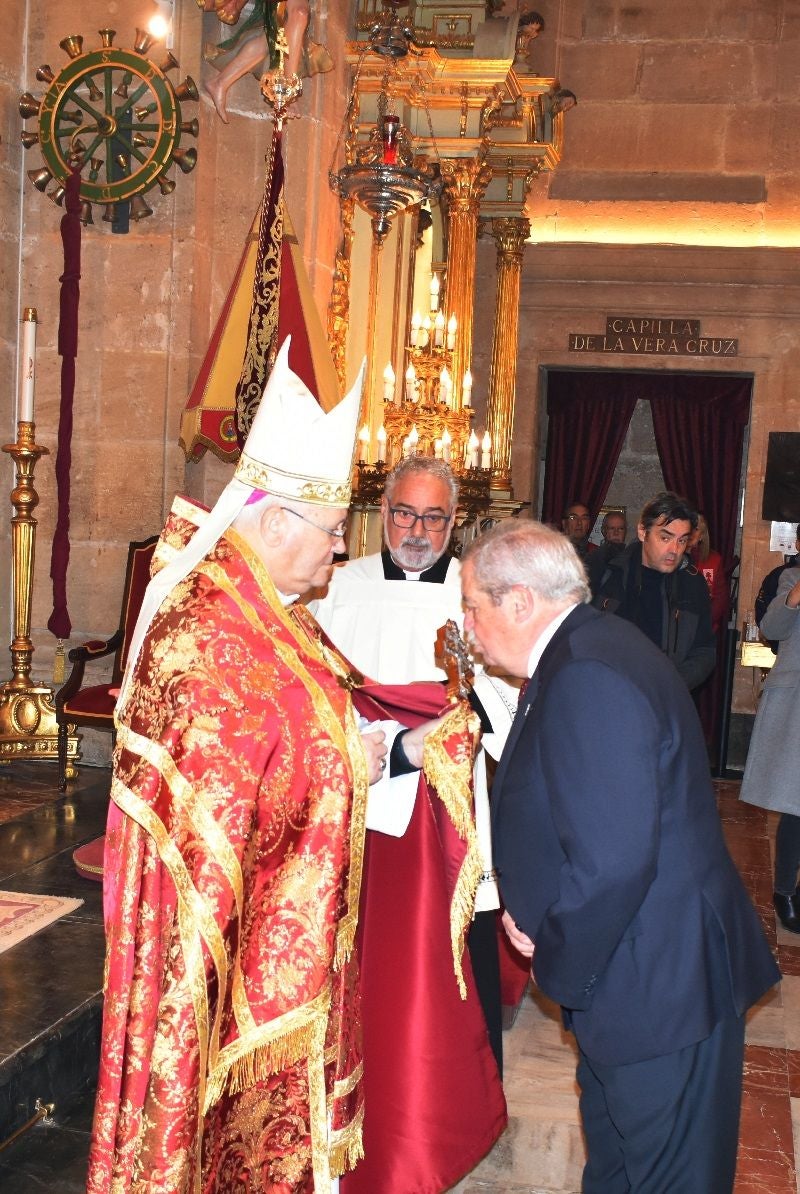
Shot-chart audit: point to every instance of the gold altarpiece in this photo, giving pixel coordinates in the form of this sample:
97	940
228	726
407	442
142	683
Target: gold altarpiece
485	122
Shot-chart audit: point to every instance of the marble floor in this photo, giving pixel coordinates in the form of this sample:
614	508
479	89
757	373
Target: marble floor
542	1150
50	983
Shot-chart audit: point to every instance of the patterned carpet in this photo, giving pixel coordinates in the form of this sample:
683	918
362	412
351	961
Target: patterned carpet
25	786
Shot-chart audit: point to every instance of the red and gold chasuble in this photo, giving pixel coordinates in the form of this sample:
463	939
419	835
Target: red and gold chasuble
231	1053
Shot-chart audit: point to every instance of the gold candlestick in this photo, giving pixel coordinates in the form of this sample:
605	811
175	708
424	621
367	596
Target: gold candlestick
27	712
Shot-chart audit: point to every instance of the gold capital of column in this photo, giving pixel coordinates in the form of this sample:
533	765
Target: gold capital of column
465	180
510	234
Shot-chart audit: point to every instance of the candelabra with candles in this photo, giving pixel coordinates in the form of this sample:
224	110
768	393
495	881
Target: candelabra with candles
28	726
431	415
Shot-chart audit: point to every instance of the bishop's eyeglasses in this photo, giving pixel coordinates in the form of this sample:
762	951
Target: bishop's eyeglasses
337	532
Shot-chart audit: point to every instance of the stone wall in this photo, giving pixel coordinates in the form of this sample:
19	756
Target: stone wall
677	195
748	294
11	77
149	299
686	128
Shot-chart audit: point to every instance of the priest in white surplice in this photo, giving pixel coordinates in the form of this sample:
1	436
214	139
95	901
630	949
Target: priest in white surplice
388	631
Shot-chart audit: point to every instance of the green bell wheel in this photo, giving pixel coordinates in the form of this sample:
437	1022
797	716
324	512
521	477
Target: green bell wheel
114	114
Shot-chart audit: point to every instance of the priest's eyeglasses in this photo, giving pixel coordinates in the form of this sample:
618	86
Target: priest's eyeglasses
406	519
337	532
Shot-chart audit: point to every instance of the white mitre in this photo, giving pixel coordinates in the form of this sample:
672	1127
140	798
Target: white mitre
294	449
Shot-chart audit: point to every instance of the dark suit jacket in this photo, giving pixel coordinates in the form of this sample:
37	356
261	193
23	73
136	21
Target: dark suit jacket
610	851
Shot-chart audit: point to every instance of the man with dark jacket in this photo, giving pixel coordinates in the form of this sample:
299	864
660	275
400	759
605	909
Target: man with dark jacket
654	586
614	529
576	525
614	872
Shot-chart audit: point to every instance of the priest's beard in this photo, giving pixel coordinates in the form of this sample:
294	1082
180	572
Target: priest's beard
414	553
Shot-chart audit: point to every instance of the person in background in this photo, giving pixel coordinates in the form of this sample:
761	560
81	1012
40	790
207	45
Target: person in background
653	585
614	529
769	588
773	759
708	563
576	525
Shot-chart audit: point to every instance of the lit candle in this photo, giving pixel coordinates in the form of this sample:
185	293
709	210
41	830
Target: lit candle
413	440
388	383
411	384
446	386
381	444
27	370
447	440
438	330
466	389
452	325
407	446
389	129
363	444
486	451
473	447
424	338
438	449
416	328
435	286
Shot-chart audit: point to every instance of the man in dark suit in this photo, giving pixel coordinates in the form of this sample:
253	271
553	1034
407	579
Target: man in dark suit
614	872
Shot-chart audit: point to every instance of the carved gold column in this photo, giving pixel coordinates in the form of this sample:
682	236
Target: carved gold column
465	180
339	308
510	235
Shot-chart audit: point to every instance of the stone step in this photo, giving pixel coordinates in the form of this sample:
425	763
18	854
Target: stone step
51	983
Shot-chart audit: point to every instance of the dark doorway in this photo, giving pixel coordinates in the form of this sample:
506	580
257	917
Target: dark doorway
699	424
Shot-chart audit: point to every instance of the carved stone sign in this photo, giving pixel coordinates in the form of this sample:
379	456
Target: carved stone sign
653	336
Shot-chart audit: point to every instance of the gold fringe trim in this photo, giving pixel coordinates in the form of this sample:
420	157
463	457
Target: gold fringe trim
269	1059
451	778
347	1145
271	1048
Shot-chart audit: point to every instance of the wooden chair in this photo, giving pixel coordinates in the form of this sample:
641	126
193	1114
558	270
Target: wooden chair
93	706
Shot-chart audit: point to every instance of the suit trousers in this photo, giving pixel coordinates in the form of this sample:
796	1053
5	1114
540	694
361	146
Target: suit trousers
669	1125
485	960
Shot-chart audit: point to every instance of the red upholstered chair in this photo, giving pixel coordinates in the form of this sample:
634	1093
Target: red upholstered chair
93	706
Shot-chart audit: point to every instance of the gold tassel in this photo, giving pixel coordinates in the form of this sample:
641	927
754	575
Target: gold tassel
347	1146
59	664
451	779
345	939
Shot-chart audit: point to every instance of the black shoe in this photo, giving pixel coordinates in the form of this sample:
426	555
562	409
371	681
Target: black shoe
788	910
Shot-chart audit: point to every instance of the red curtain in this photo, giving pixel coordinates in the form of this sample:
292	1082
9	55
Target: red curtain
589	415
699	422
